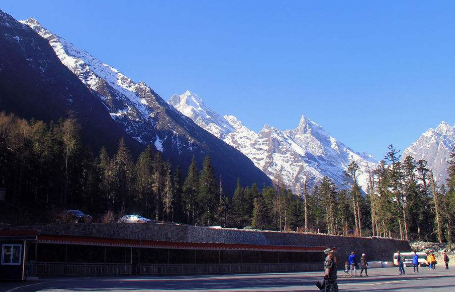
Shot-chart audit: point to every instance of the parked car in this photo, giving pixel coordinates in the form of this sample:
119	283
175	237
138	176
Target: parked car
77	216
133	219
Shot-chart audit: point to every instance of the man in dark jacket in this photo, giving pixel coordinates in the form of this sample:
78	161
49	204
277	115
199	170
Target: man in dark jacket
330	271
400	261
446	260
363	265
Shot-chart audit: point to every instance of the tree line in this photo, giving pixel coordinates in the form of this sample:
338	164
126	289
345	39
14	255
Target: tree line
46	168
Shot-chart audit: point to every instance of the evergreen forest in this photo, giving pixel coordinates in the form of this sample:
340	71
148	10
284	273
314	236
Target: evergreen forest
45	169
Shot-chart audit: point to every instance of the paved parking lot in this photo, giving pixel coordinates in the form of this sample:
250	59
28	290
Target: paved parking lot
386	279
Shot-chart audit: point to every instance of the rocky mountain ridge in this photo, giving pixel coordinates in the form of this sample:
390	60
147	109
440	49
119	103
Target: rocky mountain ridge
307	152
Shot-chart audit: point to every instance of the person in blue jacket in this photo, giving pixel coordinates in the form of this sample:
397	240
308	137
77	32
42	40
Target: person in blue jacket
353	263
415	262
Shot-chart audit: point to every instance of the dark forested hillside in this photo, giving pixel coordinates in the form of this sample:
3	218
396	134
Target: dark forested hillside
34	84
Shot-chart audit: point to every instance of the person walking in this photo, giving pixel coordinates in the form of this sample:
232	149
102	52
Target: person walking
433	261
415	262
353	263
429	260
364	265
346	269
446	260
330	271
400	264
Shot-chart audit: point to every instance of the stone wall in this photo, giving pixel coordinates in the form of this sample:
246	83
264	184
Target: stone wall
376	249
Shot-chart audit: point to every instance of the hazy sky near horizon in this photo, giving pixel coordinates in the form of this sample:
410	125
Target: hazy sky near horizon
371	73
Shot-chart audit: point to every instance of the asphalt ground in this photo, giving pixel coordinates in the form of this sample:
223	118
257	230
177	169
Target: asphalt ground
382	279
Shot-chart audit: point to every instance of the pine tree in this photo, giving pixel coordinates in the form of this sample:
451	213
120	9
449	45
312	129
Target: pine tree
385	208
207	196
144	182
71	144
327	191
373	198
123	176
106	181
178	195
396	176
317	210
240	216
415	201
223	205
423	174
260	214
158	184
343	214
190	191
438	208
353	172
269	195
450	197
168	193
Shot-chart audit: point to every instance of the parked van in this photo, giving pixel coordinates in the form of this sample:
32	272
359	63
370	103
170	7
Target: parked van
408	256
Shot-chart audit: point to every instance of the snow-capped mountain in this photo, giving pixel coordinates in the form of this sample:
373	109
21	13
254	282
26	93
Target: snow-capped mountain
193	107
35	84
306	152
103	91
133	104
434	146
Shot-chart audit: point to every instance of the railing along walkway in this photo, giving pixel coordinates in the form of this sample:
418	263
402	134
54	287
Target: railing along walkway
156	269
78	269
102	269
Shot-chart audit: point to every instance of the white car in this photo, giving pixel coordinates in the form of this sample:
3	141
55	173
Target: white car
133	219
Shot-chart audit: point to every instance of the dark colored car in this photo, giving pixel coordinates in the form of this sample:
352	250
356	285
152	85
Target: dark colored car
77	216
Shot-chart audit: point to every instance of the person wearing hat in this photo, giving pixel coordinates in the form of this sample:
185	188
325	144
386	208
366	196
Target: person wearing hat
364	265
446	260
330	271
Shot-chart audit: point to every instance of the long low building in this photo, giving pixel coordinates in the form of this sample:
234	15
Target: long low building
162	248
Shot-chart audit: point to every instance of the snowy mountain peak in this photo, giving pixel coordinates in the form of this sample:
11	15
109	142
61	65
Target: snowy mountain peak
306	125
192	103
445	129
192	106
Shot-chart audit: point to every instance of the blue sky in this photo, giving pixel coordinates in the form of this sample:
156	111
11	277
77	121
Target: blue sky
371	73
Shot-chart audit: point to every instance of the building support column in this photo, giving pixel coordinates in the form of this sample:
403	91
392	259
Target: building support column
66	253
